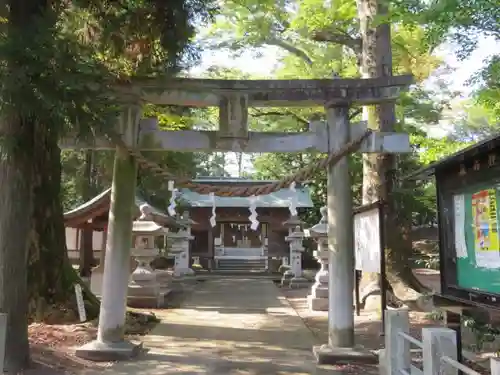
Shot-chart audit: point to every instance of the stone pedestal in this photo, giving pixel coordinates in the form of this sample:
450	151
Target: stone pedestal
318	299
96	277
144	289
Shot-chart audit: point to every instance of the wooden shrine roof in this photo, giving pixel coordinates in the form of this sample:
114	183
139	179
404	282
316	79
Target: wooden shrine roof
100	205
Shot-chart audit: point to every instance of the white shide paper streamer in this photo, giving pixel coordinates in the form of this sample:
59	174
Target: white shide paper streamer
254	223
173	196
213	222
293	204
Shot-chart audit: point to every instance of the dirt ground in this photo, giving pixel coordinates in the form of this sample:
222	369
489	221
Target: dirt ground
52	345
367	325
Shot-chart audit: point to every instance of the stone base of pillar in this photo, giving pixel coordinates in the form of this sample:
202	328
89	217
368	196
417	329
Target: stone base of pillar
99	351
328	355
299	282
319	291
317	304
318	299
147	296
164	277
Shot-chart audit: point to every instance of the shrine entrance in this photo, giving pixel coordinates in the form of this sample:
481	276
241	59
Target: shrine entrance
233	245
335	136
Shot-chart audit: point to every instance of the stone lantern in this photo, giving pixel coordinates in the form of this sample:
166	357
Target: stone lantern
144	289
296	250
290	224
180	246
318	299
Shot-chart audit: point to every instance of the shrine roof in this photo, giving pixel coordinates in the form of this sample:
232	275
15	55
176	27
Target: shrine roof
465	154
100	205
279	199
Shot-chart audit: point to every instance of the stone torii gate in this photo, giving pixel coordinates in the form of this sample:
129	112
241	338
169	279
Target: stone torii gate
234	97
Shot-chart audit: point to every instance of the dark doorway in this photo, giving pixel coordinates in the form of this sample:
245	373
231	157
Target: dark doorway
199	246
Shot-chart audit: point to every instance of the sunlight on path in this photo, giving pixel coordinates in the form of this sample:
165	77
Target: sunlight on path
228	326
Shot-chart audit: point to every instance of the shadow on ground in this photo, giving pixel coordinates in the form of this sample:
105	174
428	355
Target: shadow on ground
230	326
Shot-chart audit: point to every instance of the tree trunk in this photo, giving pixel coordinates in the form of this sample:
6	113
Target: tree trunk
16	201
51	277
16	206
86	245
378	169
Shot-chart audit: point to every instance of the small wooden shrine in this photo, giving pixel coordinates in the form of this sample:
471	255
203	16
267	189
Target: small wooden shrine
232	244
86	227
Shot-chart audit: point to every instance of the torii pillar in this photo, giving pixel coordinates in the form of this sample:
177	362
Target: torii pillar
110	343
341	250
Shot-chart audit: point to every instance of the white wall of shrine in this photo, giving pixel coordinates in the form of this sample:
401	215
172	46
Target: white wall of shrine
73	243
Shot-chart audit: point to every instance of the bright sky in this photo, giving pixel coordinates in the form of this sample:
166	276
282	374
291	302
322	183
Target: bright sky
263	67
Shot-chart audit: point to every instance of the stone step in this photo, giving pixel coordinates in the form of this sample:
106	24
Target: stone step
241	264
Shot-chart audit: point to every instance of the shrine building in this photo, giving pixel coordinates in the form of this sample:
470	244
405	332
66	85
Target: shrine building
232	244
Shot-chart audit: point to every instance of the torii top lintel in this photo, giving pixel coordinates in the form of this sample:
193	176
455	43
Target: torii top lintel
268	93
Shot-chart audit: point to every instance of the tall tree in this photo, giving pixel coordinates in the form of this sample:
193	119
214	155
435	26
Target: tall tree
379	169
18	126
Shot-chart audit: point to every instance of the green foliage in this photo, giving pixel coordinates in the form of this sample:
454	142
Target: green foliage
47	74
483	332
462	20
488	93
155	34
475	121
105	41
432	149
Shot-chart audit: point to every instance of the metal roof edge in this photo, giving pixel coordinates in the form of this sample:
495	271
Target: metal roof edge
428	171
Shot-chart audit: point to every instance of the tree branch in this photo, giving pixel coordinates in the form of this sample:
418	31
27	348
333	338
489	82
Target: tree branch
300	119
338	38
288	47
355	113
